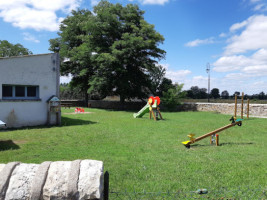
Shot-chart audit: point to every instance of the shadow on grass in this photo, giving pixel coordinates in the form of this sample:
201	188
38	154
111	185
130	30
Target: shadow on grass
7	145
65	121
223	144
236	143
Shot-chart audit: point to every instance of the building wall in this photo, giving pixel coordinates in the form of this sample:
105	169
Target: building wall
40	70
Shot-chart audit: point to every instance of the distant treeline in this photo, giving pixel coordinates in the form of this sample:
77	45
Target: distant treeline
201	93
67	92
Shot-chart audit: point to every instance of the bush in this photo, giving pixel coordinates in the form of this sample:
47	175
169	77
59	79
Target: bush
173	97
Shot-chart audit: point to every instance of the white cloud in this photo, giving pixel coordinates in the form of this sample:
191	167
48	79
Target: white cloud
230	63
237	26
245	56
259	5
253	36
175	76
29	37
36	14
94	2
242	63
223	35
198	42
159	2
65	79
254	1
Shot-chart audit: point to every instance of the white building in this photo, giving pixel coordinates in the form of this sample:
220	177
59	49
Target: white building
26	84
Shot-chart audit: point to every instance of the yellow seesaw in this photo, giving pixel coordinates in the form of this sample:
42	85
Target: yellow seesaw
193	140
213	134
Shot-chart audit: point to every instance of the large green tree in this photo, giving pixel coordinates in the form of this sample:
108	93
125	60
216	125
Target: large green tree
7	49
215	93
76	53
113	51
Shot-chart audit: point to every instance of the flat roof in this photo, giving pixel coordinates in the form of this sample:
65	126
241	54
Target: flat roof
26	55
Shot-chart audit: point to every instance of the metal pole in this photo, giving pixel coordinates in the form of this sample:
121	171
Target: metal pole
208	71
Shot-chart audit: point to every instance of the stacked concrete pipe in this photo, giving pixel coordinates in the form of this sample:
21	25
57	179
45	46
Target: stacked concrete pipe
70	180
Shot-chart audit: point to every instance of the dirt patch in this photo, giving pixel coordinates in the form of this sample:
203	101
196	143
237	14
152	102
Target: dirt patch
20	141
77	113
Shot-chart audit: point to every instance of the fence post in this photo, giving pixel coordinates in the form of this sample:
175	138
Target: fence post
106	185
235	105
248	109
217	140
242	102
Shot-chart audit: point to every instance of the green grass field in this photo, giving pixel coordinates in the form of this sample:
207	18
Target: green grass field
146	155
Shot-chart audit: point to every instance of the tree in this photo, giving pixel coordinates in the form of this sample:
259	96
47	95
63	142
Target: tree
113	51
165	85
225	94
215	93
173	97
261	95
236	93
189	94
197	93
76	53
159	82
67	93
202	93
7	49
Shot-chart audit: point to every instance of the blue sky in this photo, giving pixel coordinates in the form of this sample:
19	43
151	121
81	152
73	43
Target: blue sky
231	35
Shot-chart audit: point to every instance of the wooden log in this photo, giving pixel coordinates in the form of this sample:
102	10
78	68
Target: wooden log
159	113
248	109
242	103
235	106
217	140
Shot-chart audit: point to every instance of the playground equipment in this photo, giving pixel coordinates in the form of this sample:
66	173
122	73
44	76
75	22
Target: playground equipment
2	124
152	107
79	110
214	137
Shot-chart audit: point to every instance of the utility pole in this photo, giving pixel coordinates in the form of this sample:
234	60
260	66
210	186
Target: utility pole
208	71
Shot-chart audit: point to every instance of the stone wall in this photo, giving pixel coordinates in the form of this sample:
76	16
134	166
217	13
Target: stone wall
255	110
79	179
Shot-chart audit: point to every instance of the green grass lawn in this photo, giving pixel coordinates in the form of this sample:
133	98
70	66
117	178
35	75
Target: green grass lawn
146	155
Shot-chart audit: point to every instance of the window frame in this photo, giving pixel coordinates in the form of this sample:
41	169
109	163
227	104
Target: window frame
25	97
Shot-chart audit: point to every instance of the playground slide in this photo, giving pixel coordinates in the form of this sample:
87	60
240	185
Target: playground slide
2	123
143	111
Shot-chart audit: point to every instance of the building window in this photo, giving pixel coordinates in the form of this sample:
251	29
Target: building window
7	91
31	91
20	92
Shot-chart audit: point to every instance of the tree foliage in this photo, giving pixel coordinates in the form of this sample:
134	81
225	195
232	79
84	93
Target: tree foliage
197	93
7	49
215	93
173	97
225	94
113	51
